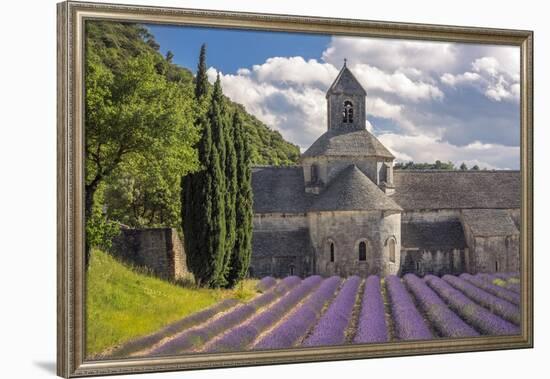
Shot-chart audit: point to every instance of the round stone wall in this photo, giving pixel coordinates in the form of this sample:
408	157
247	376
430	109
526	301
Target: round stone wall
361	242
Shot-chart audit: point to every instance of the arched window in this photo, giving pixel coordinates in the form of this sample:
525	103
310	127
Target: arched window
348	112
391	247
362	251
313	173
332	252
496	266
291	270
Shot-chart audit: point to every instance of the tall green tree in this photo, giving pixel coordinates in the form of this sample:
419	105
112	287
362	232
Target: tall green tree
201	80
203	193
204	218
242	248
195	186
131	111
169	56
217	118
231	188
197	211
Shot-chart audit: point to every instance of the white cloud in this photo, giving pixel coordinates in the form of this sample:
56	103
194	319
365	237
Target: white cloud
500	90
369	126
295	70
453	80
391	54
491	78
396	83
487	65
298	112
379	108
508	59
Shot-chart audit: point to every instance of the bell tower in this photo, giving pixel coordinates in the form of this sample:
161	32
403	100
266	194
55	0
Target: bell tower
346	102
346	141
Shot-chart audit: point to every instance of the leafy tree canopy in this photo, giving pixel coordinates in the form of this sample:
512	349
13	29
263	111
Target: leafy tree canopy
437	165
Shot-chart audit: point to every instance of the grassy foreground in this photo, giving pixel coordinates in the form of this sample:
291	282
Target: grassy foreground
124	302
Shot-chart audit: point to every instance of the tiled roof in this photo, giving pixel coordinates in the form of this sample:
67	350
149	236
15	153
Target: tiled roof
456	189
353	190
347	83
343	142
489	222
279	190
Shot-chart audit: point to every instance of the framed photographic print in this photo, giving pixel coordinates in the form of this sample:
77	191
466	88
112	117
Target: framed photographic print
244	189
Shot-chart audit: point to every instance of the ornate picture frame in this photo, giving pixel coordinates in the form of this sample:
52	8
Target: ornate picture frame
72	16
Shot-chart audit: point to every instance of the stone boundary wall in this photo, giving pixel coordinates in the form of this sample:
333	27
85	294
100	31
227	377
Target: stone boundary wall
157	249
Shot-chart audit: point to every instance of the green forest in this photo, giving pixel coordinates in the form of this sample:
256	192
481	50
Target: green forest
146	124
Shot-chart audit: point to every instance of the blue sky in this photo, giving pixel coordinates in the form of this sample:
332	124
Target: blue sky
229	50
426	101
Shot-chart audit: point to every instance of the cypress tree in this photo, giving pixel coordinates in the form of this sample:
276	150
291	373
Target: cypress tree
242	249
231	184
202	193
217	237
196	210
204	217
201	80
218	118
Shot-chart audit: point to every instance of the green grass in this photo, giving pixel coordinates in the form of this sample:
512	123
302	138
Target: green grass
125	302
499	282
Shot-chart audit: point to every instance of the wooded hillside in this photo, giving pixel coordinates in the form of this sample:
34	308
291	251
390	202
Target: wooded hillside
141	134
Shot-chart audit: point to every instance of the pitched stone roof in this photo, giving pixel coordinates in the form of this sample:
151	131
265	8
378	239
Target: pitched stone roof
416	189
281	243
346	82
432	235
353	190
342	142
279	190
489	222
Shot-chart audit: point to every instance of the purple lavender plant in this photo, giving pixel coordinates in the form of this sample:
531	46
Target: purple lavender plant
447	323
409	324
266	283
372	321
196	337
474	314
290	331
502	308
508	281
240	337
493	289
514	287
331	328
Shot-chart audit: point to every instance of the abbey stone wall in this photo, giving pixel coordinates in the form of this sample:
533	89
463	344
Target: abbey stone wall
346	230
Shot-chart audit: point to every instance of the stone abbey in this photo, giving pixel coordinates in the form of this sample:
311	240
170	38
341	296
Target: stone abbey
345	210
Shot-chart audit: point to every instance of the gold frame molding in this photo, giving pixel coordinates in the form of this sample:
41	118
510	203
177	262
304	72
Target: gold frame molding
70	178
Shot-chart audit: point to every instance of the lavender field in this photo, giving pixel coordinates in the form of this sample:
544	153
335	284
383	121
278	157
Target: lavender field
320	311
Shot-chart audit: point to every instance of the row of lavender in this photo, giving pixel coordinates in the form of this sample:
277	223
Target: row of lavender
319	312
